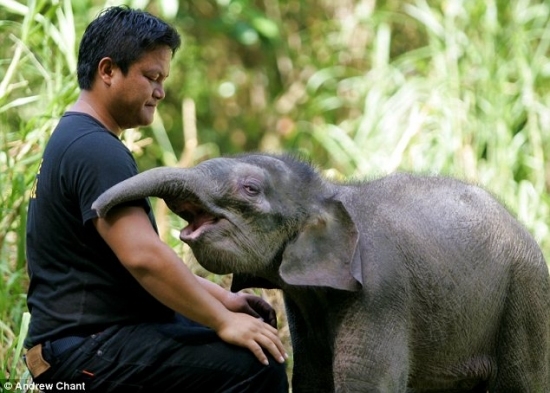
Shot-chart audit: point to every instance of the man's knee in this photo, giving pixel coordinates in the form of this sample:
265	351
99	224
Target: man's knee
274	377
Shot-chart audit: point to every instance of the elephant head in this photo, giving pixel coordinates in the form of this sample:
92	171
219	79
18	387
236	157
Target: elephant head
259	216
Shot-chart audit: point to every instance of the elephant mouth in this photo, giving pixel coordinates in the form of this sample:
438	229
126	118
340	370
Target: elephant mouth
199	220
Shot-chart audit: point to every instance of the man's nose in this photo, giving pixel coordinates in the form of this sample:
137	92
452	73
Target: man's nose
159	93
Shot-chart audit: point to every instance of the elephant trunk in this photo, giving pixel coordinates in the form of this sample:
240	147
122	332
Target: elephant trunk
163	182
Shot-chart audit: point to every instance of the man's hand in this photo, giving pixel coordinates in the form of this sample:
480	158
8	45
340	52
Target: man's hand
252	333
251	305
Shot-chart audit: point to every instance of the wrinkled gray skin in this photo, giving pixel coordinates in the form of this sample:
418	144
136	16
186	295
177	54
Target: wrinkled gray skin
401	284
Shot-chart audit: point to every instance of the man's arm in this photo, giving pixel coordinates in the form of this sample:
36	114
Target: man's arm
162	273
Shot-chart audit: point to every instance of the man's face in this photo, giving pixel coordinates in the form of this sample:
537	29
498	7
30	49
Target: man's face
133	97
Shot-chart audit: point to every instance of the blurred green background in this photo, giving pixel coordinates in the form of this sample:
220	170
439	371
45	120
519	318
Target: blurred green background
359	87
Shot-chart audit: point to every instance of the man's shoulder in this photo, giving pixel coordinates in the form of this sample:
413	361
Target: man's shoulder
75	125
78	133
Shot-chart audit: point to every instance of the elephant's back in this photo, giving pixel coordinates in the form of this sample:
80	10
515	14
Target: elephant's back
433	209
449	246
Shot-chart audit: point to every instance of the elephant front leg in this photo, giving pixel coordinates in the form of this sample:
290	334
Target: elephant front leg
311	374
312	353
371	354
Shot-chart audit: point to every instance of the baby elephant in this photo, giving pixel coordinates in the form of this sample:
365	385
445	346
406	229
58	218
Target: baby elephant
401	284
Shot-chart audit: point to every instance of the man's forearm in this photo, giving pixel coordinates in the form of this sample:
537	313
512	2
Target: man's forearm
158	268
214	289
171	282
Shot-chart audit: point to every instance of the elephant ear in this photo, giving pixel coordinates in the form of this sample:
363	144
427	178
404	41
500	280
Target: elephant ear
325	252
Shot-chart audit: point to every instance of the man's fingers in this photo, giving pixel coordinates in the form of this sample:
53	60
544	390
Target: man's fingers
271	342
255	335
260	309
265	337
250	311
259	353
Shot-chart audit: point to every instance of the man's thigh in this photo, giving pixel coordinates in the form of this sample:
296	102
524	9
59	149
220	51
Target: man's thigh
179	356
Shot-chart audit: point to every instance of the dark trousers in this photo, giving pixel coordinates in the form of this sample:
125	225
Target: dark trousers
178	357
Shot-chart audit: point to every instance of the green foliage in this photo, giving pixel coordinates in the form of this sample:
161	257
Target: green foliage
360	87
34	91
472	101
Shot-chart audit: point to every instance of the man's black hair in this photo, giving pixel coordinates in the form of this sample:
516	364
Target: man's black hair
124	35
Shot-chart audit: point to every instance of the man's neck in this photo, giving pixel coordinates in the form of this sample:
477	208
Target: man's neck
85	104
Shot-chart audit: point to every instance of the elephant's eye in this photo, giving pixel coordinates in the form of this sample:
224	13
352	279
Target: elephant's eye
251	188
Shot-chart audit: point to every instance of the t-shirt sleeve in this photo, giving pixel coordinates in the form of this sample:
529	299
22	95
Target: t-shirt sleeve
94	163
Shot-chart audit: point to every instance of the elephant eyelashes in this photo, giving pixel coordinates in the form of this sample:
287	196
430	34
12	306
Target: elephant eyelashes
251	189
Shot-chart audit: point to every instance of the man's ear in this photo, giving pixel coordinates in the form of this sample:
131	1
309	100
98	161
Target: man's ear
105	70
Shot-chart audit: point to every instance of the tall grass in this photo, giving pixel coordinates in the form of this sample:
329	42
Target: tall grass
473	101
38	62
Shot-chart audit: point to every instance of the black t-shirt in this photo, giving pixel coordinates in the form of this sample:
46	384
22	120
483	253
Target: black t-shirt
77	285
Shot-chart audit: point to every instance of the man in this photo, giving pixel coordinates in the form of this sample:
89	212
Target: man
113	306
